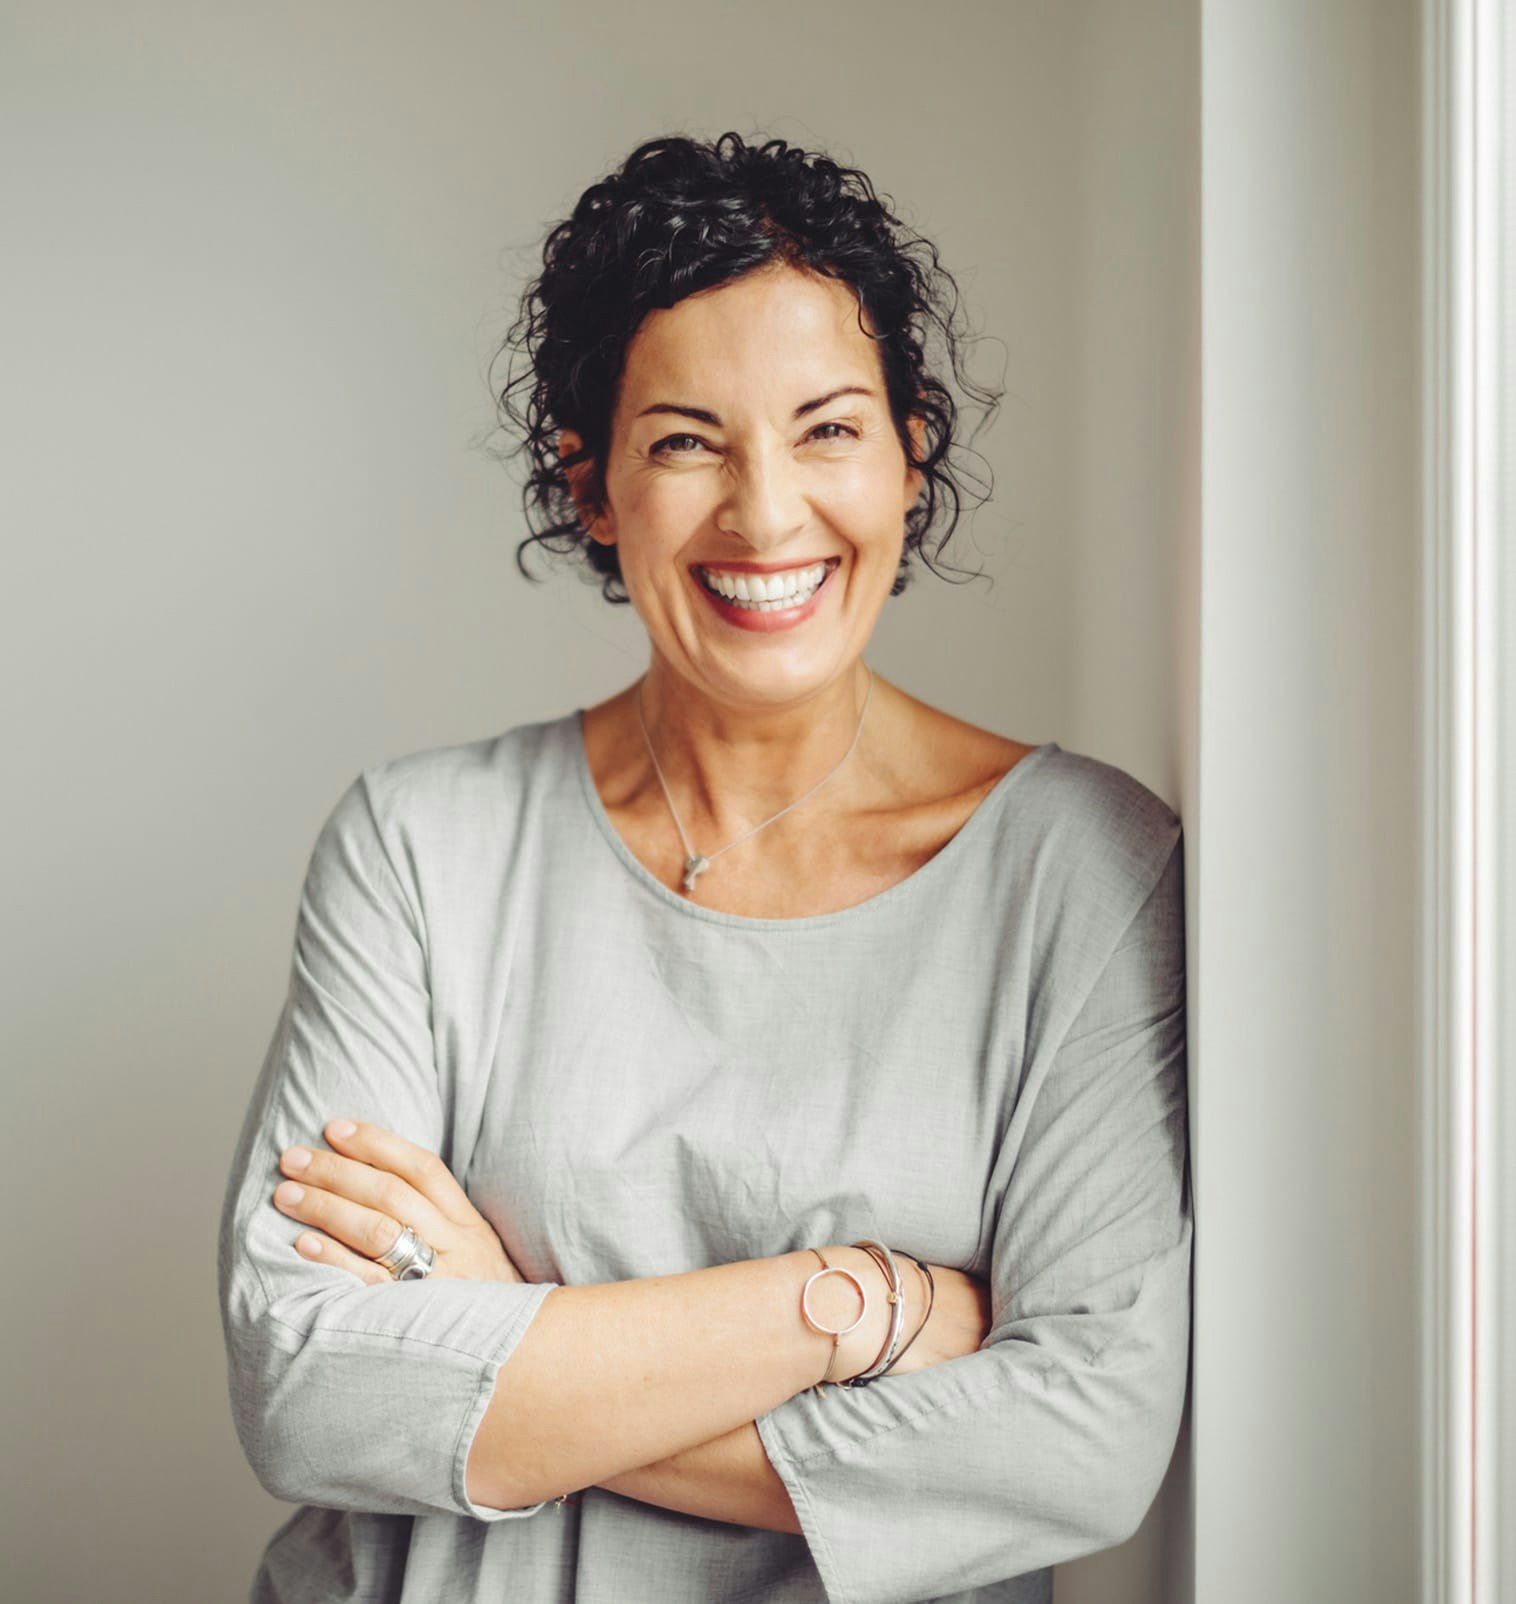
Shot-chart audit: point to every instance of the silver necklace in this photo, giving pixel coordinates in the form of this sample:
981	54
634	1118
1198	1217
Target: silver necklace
695	863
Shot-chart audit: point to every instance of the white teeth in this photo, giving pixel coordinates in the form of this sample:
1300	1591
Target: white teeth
766	593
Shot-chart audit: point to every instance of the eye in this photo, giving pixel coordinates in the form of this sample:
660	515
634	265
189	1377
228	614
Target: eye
661	448
666	446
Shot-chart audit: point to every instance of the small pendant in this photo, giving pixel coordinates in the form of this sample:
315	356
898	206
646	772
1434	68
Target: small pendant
694	867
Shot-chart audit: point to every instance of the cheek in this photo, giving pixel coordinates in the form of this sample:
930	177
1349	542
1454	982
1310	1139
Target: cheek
660	521
864	502
652	550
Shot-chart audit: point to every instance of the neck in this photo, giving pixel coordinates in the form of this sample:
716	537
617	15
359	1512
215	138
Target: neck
730	766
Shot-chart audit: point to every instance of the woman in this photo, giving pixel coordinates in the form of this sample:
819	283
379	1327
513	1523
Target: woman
648	1071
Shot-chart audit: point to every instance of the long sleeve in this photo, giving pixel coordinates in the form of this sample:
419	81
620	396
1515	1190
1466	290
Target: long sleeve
344	1395
1050	1441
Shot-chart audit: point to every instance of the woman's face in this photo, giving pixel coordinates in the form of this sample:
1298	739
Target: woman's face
752	449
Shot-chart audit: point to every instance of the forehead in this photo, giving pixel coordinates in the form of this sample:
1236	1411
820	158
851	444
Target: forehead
776	328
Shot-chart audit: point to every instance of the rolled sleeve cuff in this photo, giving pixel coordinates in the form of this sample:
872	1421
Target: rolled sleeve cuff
475	1416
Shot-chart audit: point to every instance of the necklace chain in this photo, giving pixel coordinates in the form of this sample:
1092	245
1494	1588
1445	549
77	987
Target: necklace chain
695	863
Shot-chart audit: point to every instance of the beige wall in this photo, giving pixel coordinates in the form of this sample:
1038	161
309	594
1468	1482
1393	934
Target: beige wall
1130	576
256	259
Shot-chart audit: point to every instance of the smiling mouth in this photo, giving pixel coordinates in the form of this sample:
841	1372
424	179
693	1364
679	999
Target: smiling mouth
766	593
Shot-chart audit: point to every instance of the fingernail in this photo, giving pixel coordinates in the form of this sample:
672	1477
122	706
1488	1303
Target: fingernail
289	1193
308	1243
342	1127
296	1158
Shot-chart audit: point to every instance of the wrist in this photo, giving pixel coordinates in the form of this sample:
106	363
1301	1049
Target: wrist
829	1304
862	1348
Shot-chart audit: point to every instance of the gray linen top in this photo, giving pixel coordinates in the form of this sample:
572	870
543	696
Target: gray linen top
983	1065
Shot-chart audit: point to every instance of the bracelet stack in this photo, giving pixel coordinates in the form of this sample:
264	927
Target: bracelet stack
887	1357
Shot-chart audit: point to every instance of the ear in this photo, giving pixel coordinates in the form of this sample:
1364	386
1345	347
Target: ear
914	477
601	527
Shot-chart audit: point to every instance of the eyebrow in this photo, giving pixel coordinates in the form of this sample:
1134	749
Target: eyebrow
702	416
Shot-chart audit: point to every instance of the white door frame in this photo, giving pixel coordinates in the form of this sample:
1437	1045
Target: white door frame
1464	1522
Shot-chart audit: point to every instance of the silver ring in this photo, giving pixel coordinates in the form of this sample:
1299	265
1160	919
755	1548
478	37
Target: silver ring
410	1257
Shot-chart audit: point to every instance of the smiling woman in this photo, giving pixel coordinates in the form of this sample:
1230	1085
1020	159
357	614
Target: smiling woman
799	1215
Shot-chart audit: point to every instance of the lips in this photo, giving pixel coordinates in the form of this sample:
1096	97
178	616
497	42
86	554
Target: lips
766	613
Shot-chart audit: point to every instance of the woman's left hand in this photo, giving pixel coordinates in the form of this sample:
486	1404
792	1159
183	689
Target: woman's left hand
359	1196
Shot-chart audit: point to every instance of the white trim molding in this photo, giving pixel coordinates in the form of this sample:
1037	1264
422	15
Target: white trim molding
1464	1521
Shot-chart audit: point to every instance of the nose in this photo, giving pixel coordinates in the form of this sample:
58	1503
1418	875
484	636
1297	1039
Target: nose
764	505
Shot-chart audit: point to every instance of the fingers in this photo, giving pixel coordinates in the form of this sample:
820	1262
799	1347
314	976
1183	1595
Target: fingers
366	1231
323	1250
360	1183
418	1166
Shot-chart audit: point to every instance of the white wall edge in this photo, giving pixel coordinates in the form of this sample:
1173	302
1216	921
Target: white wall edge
1460	415
1486	361
1438	1342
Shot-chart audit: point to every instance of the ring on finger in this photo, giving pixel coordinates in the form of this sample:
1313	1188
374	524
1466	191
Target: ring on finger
409	1258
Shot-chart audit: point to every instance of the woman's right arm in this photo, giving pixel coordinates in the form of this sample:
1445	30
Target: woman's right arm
348	1395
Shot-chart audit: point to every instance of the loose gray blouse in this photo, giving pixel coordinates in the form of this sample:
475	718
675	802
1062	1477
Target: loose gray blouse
983	1065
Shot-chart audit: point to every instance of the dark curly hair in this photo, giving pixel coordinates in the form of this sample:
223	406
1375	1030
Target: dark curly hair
682	216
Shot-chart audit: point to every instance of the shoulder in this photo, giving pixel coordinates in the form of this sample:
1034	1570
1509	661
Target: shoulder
1082	823
437	830
1098	844
448	793
1096	806
1085	804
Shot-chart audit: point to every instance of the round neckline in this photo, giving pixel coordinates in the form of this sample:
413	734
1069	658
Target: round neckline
651	884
